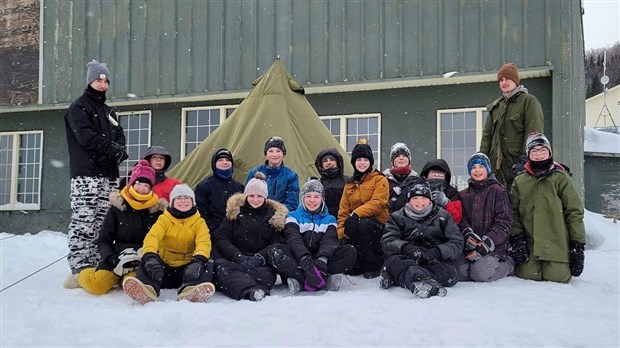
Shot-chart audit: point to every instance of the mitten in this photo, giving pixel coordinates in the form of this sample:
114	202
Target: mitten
128	261
577	257
439	198
153	267
350	226
476	245
118	152
240	258
256	260
518	249
415	253
315	280
321	264
196	266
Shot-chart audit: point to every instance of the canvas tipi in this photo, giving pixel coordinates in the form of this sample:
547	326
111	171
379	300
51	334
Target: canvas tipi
275	106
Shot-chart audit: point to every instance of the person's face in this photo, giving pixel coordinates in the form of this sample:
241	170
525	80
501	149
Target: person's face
362	164
100	85
419	202
312	201
255	200
274	156
329	162
479	172
401	161
141	187
223	163
539	153
183	203
436	174
157	162
506	85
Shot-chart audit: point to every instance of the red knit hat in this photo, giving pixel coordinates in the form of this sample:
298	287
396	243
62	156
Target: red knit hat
509	71
143	173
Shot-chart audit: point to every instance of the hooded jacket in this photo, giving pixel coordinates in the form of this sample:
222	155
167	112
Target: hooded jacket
163	184
437	229
399	189
249	230
282	183
177	240
507	127
549	211
311	234
367	198
89	136
333	185
124	227
212	194
487	209
454	206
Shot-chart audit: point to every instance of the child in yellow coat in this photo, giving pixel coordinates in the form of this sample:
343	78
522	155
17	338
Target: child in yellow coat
176	254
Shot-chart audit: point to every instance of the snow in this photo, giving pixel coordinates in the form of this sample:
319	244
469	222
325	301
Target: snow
510	312
598	141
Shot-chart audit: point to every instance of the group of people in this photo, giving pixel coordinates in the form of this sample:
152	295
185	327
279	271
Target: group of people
520	213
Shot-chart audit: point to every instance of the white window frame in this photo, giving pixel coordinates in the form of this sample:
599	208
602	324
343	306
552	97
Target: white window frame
131	162
222	108
343	132
480	111
13	203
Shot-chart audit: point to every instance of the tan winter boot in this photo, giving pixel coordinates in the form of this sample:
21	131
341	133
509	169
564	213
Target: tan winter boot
72	282
197	293
139	291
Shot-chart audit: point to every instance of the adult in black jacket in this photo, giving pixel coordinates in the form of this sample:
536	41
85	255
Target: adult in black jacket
253	223
330	165
96	146
213	192
419	242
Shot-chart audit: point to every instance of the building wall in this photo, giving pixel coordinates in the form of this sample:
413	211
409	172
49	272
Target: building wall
594	108
602	180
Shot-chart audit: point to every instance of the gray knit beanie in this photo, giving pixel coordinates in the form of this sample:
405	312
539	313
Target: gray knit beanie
312	185
96	70
535	139
399	149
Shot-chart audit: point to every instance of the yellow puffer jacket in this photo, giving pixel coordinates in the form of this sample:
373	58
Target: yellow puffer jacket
177	240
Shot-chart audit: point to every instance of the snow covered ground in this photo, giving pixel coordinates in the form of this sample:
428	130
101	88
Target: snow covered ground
512	312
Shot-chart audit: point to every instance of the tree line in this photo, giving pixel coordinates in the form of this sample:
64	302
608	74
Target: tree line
594	68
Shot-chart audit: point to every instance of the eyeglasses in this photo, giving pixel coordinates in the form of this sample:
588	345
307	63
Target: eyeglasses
436	172
541	150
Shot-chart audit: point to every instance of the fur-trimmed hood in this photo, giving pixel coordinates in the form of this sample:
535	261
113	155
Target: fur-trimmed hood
277	221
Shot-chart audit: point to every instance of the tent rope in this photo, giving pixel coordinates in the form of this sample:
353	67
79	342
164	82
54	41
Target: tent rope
33	273
8	237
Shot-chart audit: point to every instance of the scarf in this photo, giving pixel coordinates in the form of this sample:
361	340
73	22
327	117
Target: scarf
540	168
182	214
138	201
224	174
401	171
412	213
330	173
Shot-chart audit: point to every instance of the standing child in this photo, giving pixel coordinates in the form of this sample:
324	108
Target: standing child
486	224
548	235
313	257
400	176
282	181
420	242
176	254
132	213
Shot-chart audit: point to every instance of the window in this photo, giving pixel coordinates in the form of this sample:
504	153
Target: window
348	129
458	137
198	123
20	170
137	129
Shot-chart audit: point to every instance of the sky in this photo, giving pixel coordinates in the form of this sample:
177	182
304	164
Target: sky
601	23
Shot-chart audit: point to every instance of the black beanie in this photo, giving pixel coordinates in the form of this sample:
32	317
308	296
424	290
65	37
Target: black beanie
362	150
275	142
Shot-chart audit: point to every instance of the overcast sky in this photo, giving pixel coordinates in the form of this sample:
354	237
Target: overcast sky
601	23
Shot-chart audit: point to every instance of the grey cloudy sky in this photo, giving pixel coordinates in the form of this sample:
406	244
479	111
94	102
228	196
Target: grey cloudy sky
601	23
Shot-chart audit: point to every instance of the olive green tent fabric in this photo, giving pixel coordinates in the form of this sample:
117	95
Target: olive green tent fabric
275	106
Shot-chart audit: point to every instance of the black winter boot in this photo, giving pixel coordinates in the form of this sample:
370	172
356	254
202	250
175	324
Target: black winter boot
386	280
427	288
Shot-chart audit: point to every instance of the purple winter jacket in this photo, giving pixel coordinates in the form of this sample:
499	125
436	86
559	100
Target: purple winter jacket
487	209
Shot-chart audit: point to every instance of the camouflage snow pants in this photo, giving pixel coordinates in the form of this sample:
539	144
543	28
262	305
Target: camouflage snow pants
89	205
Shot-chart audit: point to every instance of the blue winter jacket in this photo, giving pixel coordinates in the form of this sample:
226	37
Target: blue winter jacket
313	234
282	183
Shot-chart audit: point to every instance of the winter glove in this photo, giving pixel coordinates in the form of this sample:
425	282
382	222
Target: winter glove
518	249
315	280
321	264
128	261
117	152
577	257
477	246
153	267
517	168
196	266
350	226
439	198
419	254
256	260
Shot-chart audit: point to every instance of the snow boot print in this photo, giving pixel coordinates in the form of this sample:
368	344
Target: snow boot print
197	293
139	291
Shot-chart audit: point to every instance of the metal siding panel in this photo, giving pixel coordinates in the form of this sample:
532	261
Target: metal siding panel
107	42
266	37
299	39
167	49
451	36
122	64
137	48
184	47
335	42
393	39
471	36
232	60
199	62
512	32
431	32
63	48
282	30
491	36
152	66
534	34
318	42
248	42
353	41
372	49
216	54
48	59
76	82
412	47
